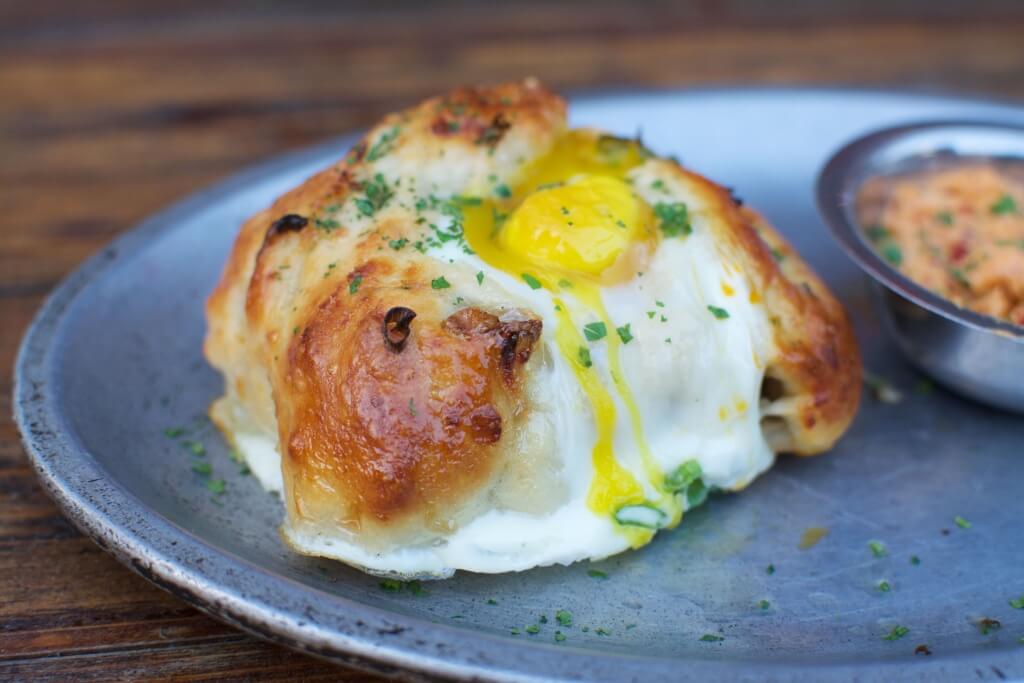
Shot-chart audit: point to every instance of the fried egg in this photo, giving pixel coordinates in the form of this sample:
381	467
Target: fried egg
544	350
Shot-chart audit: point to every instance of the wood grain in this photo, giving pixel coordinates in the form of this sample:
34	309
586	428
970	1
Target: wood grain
114	108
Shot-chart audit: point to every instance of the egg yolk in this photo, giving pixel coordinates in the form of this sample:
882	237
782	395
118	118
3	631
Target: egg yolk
583	226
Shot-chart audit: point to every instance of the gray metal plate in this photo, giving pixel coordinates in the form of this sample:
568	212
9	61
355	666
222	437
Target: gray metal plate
114	358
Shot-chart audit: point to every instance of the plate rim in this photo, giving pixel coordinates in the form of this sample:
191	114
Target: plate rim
375	641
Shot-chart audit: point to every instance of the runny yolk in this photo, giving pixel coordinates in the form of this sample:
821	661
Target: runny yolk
581	227
573	225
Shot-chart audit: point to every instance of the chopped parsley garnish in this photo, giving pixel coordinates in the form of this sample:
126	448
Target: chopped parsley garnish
893	254
196	448
1018	603
439	283
383	145
719	313
602	631
531	280
543	619
961	522
915	560
659	304
896	633
396	586
944	217
884	586
675	218
1004	205
711	638
532	629
624	333
769	570
173	432
659	185
877	548
597	574
563	617
987	625
764	604
514	631
353	285
564	284
584	357
559	636
377	195
595	331
492	601
215	486
480	278
412	408
777	254
202	468
398	244
327	224
503	191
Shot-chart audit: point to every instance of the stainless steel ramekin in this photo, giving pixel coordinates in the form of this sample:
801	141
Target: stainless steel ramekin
973	354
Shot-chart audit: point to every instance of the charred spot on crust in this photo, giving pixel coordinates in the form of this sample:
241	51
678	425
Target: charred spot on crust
513	338
517	339
356	154
485	424
735	197
396	327
291	222
492	134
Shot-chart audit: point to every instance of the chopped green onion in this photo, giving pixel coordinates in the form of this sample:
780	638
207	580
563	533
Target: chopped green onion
439	283
684	475
624	333
597	574
480	278
884	586
711	638
584	357
642	515
961	522
877	548
564	617
893	254
533	629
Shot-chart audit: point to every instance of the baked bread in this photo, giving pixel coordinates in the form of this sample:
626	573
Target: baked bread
482	341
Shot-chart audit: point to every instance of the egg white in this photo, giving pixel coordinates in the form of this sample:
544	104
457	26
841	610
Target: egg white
695	380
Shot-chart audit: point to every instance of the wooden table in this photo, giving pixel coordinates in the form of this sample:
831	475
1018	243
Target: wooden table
110	109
